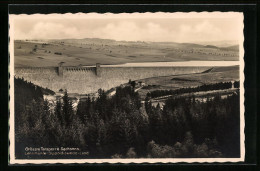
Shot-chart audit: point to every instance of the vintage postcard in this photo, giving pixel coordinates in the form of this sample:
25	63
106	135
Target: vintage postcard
126	88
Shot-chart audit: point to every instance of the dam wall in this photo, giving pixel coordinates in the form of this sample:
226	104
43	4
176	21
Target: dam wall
86	80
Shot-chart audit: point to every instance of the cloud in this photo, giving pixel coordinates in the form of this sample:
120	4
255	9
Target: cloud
206	27
43	30
203	31
129	30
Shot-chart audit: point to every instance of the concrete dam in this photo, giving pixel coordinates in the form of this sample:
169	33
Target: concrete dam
84	80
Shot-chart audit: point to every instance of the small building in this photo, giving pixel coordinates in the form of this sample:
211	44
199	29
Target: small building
60	93
233	84
49	97
140	83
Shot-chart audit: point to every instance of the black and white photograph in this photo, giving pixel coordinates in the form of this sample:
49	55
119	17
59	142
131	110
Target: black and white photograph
126	87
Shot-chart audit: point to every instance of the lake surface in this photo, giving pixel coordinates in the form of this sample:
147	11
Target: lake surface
169	64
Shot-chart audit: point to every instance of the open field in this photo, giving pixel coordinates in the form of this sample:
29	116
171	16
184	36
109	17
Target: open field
75	52
217	74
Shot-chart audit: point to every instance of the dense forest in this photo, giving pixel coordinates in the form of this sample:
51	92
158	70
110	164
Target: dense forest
204	87
122	127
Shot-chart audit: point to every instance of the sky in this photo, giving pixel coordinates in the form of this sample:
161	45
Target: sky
127	27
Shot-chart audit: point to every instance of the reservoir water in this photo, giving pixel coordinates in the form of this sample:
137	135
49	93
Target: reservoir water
172	64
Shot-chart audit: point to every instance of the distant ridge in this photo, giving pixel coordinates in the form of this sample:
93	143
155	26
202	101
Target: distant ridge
89	51
232	45
231	48
221	44
210	46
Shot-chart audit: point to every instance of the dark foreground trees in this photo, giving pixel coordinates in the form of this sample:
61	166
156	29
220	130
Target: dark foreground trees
121	126
214	124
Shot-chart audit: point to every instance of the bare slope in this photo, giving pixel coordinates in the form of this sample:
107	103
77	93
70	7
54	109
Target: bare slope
74	52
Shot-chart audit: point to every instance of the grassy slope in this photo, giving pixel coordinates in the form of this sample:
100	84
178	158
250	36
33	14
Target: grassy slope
91	51
218	74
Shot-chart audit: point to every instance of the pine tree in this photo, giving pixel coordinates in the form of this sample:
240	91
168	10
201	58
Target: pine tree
67	109
82	111
101	104
58	112
46	113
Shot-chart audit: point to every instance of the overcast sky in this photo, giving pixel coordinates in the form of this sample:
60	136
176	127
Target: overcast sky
184	29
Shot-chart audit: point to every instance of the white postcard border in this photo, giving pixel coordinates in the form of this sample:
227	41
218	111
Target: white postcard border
13	160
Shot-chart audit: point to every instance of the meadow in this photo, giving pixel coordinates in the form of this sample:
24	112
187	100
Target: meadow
75	52
217	74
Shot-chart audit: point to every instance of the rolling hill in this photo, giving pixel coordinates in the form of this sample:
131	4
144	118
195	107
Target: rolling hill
74	52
